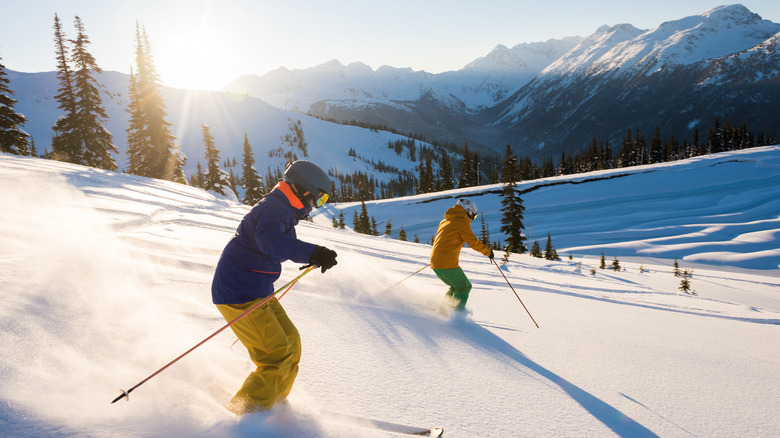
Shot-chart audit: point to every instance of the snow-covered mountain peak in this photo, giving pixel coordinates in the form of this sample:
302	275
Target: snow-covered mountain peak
592	48
531	57
719	32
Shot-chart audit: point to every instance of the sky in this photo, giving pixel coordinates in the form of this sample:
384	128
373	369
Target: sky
206	44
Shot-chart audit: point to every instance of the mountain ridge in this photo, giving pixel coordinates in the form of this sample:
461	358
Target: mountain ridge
489	107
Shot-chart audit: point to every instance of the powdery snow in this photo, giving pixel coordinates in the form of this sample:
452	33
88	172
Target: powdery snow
106	278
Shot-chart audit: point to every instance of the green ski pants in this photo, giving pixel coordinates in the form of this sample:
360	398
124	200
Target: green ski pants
460	286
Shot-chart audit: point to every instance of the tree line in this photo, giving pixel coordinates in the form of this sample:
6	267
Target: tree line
80	137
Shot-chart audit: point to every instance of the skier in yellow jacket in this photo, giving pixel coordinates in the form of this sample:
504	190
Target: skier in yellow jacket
455	231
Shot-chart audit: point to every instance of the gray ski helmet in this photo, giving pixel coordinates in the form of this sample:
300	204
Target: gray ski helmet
309	176
469	206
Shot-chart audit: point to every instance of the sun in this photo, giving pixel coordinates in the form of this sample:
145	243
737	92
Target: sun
199	59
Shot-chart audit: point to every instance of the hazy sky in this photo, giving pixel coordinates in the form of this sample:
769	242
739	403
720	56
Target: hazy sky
208	43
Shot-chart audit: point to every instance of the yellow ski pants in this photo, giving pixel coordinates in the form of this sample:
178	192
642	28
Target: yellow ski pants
274	346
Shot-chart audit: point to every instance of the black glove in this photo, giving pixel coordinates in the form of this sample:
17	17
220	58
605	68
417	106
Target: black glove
491	255
323	257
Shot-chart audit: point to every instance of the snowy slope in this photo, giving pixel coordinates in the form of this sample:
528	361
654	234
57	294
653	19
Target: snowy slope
229	118
106	277
721	209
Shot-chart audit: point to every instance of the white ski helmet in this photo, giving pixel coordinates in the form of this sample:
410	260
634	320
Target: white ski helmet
469	206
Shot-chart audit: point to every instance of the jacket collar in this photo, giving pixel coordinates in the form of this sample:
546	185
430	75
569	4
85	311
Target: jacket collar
288	193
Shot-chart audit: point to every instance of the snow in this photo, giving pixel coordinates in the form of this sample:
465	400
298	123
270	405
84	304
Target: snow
106	278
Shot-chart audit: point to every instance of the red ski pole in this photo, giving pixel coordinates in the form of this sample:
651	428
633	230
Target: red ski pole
513	290
288	286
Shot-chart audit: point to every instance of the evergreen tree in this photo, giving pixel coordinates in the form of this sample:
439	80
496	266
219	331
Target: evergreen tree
342	224
374	230
603	262
426	183
549	251
215	179
150	145
96	144
475	172
446	182
388	228
12	138
484	235
615	265
466	169
512	205
657	153
254	190
364	222
402	234
64	144
536	250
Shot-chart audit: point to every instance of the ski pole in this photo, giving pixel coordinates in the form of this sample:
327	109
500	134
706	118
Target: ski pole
408	276
513	290
289	285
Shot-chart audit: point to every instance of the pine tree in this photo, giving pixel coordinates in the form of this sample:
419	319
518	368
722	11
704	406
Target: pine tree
64	144
216	179
96	143
512	205
466	169
549	251
677	272
426	183
603	262
446	182
364	222
615	265
150	145
402	234
475	172
536	250
12	138
342	224
388	228
657	153
685	283
254	190
484	235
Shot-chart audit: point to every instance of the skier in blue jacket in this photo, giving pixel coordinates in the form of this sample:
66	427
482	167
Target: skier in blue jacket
245	274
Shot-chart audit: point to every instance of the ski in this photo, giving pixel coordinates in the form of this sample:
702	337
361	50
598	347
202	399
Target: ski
382	425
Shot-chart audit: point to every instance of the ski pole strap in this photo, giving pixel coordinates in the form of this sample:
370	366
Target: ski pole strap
286	287
513	290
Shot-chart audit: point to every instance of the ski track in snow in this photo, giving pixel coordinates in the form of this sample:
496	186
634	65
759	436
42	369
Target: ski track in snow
106	278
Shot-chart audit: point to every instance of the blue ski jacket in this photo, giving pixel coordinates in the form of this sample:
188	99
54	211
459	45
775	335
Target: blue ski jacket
252	260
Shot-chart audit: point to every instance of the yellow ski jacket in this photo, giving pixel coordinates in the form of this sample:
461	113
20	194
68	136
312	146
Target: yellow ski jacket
453	232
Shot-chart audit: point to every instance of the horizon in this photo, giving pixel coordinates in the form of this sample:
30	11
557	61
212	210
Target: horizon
434	37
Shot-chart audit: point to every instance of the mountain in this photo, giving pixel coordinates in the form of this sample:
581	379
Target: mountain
106	278
440	106
543	98
679	76
229	117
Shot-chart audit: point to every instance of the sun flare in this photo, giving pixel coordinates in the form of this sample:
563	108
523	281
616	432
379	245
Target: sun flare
199	59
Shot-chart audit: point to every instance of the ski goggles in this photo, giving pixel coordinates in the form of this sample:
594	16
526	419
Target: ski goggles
320	199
